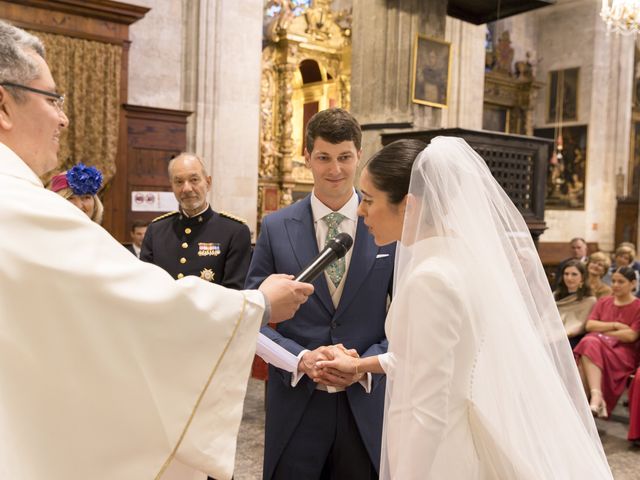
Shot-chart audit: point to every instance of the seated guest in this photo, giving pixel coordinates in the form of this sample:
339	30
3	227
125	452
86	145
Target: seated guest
80	186
608	354
138	229
574	300
624	256
597	267
635	264
634	409
578	252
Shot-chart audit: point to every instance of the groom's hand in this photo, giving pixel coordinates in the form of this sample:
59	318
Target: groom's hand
307	364
336	377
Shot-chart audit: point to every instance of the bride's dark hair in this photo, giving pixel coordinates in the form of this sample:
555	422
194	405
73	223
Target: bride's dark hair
390	168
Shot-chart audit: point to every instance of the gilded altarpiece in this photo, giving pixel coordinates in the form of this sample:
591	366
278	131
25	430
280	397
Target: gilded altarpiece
306	68
510	89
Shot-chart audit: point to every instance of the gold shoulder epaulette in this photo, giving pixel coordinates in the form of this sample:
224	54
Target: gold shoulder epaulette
233	217
164	216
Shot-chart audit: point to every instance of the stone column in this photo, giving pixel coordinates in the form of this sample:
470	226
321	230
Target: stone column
190	67
572	34
384	32
609	130
466	93
226	98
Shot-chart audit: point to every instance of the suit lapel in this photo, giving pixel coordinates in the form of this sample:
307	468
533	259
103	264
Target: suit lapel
302	236
362	260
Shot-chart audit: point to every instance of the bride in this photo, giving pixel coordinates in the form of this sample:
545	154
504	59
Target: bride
481	380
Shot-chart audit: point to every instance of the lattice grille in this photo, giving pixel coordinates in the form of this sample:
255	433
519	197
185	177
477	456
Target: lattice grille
513	169
518	163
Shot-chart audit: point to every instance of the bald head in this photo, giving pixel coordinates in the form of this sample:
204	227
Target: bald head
190	182
186	157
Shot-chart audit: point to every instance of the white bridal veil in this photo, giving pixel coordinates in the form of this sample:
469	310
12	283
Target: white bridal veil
508	363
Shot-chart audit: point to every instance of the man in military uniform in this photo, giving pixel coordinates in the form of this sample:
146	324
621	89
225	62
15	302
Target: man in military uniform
196	240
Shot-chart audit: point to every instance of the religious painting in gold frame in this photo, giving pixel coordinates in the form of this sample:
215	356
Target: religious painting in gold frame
566	173
431	73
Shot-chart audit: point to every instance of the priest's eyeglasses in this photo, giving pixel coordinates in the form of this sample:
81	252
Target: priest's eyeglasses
56	98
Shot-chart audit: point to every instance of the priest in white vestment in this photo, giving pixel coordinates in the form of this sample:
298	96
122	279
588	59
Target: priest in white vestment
109	368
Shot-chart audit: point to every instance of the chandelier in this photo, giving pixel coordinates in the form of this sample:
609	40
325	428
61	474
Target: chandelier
621	16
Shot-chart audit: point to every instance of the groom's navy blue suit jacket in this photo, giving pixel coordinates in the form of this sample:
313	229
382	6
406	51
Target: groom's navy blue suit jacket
287	243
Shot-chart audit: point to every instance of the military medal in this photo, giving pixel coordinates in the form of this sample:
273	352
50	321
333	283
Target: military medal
208	249
207	274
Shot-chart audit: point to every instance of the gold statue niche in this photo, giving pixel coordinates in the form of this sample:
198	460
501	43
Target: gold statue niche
306	68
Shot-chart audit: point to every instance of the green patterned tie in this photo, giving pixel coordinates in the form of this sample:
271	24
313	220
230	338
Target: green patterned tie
337	268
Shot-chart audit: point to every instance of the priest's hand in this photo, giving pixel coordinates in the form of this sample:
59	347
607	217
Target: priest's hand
284	295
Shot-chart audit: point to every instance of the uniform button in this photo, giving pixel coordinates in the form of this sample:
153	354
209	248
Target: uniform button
333	324
185	245
183	260
187	231
180	275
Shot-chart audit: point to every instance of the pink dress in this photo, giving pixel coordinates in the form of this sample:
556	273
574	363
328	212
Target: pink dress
616	359
634	408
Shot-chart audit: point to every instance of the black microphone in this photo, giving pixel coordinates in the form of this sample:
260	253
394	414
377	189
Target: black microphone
337	248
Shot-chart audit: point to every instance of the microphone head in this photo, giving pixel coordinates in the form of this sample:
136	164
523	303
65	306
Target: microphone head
340	244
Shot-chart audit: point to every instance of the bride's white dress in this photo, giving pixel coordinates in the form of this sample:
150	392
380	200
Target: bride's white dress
435	415
482	384
446	424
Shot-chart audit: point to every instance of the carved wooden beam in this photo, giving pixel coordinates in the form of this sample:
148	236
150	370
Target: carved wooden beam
109	10
101	20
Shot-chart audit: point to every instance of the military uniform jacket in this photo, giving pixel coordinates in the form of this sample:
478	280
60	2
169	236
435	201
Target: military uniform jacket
213	246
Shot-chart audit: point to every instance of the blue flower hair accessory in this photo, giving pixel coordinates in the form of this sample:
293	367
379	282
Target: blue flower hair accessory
84	180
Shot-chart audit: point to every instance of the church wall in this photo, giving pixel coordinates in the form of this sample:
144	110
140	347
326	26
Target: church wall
228	102
155	56
381	69
571	34
204	56
523	31
467	75
209	63
565	40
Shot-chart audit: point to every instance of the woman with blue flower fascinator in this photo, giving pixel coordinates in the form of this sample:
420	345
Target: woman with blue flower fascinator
80	186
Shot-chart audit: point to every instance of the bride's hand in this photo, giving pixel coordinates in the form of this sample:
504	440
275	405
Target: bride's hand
343	359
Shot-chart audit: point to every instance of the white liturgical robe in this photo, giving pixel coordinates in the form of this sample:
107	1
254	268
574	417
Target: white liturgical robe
109	368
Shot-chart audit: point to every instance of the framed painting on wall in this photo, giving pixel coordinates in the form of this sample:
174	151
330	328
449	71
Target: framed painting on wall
495	118
431	71
563	95
566	174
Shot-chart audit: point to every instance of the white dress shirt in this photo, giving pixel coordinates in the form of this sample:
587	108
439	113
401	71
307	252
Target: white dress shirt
348	225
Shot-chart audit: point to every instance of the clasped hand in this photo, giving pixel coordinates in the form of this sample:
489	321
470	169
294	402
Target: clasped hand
332	365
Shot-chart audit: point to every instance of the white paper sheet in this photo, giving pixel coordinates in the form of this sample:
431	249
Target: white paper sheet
274	354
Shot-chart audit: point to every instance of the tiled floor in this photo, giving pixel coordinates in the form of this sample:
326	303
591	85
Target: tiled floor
623	457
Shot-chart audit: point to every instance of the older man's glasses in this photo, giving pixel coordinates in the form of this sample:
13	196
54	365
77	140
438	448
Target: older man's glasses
56	98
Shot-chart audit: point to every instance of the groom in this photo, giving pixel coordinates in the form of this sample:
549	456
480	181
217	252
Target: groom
326	424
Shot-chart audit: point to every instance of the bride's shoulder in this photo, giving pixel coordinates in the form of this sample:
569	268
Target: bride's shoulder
437	274
439	267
